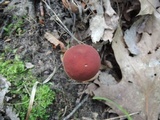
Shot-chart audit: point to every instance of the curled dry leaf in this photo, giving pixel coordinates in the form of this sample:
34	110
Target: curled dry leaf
54	41
111	19
70	5
139	89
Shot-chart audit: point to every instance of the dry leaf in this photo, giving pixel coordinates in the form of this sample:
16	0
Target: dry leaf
11	113
70	5
103	24
97	27
108	9
97	23
111	19
29	65
148	6
131	37
54	40
108	35
4	85
139	89
95	5
103	76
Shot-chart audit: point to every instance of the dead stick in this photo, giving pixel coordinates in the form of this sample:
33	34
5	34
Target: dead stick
76	108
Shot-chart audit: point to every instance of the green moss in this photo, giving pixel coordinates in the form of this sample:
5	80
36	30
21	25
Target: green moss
22	82
15	27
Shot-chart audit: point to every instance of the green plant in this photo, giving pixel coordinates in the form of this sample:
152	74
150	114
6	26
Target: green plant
22	82
15	26
115	104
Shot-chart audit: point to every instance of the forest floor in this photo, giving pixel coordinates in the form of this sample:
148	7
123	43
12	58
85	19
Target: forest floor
23	25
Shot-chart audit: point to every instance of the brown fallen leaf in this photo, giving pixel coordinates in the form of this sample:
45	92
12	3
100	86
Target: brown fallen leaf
54	41
139	89
70	5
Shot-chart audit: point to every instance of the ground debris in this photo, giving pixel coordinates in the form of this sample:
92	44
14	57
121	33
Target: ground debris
11	113
104	23
148	6
4	85
138	90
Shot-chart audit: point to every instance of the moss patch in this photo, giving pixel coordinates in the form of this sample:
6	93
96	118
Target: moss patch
22	81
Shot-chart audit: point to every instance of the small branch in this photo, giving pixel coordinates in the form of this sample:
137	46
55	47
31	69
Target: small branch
76	108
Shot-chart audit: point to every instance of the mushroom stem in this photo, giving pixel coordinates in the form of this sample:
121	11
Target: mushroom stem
93	78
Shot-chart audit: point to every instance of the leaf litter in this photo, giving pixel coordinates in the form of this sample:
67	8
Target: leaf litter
131	37
148	6
139	89
4	89
4	86
104	23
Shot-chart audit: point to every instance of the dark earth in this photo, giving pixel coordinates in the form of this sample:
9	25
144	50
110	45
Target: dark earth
31	46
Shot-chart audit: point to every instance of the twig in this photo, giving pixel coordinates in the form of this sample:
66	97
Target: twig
65	109
59	20
76	108
41	9
123	116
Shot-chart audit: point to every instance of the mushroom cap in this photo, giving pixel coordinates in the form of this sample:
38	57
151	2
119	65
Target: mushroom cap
81	62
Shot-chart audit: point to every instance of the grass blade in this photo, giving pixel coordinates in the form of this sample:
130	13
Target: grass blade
115	104
33	93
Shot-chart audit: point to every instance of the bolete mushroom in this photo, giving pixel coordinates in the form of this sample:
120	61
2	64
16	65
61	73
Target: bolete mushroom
81	62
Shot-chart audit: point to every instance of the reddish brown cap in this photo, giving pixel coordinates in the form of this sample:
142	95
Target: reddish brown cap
81	62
